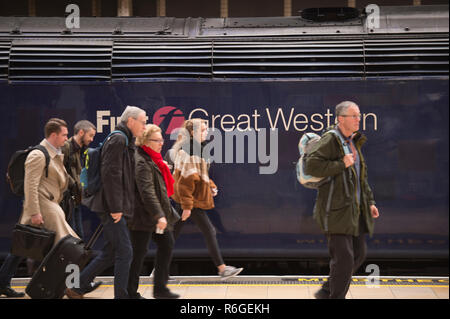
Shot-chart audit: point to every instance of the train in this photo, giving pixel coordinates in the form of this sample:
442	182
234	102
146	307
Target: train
272	79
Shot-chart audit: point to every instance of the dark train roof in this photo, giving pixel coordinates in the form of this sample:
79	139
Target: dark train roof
410	40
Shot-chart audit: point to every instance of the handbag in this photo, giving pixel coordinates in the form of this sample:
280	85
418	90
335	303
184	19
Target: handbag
174	218
31	241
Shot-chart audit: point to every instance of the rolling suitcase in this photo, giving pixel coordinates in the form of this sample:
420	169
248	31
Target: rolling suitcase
49	280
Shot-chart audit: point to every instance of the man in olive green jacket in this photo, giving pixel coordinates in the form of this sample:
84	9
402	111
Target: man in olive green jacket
84	133
345	207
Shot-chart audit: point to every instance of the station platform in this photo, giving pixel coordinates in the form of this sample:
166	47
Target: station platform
278	287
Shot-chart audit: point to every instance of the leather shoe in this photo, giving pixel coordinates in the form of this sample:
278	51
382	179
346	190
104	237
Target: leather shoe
136	296
322	294
72	294
167	294
11	293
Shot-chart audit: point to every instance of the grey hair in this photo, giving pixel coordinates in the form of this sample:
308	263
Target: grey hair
130	111
83	125
342	107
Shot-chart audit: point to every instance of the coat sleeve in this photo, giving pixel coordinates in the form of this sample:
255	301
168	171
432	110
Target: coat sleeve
322	162
34	169
66	152
186	189
112	173
145	183
368	191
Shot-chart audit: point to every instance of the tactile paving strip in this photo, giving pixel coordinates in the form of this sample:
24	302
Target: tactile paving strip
307	281
419	282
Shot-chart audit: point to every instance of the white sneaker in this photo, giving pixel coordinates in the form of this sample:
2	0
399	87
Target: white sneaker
229	272
152	275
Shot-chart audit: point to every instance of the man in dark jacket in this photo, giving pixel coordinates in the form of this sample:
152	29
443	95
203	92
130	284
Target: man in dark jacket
84	133
345	207
114	205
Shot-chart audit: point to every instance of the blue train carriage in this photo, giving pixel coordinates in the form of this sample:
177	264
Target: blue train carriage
253	75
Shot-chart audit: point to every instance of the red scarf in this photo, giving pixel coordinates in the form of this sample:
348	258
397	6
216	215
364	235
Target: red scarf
165	171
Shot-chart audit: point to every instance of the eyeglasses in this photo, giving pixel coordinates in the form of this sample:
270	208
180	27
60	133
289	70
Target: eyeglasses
161	141
144	122
353	116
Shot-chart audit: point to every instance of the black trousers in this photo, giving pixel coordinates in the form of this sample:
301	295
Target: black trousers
140	241
202	221
347	253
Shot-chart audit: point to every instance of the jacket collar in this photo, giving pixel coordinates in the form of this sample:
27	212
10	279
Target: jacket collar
52	151
75	146
193	145
359	139
148	159
122	127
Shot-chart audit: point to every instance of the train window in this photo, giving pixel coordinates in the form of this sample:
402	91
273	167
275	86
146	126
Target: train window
434	2
49	8
144	8
109	8
14	8
193	8
361	4
255	8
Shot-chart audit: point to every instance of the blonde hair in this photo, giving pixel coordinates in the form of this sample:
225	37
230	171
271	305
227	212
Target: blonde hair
186	131
145	137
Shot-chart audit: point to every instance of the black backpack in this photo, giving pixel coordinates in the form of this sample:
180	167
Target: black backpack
15	174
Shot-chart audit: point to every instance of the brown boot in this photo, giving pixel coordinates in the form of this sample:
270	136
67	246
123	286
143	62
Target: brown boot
72	294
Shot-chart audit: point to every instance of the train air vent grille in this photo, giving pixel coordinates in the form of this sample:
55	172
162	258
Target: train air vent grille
61	60
5	47
161	59
289	59
407	57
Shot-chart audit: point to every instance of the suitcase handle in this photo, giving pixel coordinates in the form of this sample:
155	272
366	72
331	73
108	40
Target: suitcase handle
95	236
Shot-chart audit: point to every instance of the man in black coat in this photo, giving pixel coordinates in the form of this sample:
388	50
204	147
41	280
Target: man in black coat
114	205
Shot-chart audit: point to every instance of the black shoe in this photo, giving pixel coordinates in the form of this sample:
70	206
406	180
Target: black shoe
136	296
93	286
322	294
167	294
11	293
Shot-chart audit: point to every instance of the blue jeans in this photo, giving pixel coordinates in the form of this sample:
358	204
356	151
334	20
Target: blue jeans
117	251
8	270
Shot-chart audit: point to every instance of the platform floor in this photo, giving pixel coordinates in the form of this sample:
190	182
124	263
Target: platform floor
278	287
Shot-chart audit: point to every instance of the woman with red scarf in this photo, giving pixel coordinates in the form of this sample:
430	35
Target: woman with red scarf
153	214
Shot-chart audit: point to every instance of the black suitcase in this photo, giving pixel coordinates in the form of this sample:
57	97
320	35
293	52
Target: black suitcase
49	280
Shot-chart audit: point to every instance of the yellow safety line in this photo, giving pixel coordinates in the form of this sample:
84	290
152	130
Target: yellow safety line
271	285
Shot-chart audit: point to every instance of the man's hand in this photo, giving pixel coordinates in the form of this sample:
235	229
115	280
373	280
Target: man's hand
37	219
186	214
374	211
348	160
162	223
116	217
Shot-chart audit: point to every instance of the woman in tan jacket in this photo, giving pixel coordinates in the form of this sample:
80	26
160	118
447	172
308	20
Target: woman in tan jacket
194	190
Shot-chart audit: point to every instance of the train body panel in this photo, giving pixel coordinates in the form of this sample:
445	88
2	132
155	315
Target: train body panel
247	77
270	215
